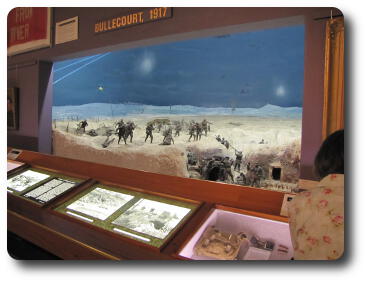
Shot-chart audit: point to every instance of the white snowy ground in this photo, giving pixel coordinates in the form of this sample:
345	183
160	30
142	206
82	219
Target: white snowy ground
243	133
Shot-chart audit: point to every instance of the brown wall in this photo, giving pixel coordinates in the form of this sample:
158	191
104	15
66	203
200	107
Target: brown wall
186	23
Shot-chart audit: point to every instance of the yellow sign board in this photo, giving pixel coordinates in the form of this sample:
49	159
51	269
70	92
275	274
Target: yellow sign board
134	18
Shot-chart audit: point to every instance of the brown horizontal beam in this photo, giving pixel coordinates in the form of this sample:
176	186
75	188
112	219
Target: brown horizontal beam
248	198
56	243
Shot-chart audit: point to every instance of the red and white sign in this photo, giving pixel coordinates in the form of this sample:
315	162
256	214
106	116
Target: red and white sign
28	29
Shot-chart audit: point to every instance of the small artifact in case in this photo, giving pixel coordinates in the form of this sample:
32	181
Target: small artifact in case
262	244
218	244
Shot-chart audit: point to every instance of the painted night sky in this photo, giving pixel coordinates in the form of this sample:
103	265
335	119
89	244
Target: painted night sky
249	69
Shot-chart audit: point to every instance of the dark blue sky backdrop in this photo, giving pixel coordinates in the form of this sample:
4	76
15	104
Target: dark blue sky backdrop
240	70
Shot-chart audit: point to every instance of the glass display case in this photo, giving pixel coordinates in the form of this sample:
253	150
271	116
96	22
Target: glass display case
147	218
40	186
11	165
82	210
235	235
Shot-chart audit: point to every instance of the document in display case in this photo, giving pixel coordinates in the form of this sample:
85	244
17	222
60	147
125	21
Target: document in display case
40	186
26	180
147	218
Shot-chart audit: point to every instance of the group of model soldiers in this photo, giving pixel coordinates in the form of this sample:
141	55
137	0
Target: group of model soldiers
223	141
218	168
197	129
167	133
125	130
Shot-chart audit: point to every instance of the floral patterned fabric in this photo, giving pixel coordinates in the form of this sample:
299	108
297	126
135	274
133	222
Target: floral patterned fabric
316	220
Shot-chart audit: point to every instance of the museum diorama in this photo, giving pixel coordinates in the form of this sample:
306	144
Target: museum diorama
189	108
147	138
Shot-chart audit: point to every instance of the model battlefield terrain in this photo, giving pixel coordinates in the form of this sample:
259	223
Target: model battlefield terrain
250	147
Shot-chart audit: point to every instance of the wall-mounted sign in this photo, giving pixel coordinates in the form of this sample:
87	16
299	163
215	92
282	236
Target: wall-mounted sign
66	30
133	18
28	29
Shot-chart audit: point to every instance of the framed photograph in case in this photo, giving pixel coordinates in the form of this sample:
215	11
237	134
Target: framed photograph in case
13	108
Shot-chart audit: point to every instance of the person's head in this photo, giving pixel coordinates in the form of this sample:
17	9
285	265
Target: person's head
330	158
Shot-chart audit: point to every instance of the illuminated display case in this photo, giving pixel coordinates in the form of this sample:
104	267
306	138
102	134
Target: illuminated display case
266	239
40	186
146	218
116	213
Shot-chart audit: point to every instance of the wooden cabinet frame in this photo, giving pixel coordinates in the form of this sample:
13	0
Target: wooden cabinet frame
333	110
70	238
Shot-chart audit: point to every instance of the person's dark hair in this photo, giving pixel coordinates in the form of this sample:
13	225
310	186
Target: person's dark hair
330	158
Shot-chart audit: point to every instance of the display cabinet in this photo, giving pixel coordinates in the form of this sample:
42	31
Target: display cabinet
259	237
148	218
13	165
82	210
40	186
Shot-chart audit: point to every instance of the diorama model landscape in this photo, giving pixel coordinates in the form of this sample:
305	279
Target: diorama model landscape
225	108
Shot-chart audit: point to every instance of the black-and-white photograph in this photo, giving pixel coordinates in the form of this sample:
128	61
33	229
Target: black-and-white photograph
152	218
25	180
50	190
13	108
100	203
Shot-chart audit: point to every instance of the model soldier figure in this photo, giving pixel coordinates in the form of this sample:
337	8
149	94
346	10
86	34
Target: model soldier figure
130	126
204	126
238	161
226	144
192	131
82	125
149	132
159	126
120	123
241	179
259	174
218	138
199	131
168	139
178	128
120	131
227	168
248	167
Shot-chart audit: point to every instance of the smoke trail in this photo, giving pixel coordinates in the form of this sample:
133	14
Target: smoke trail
74	63
79	68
